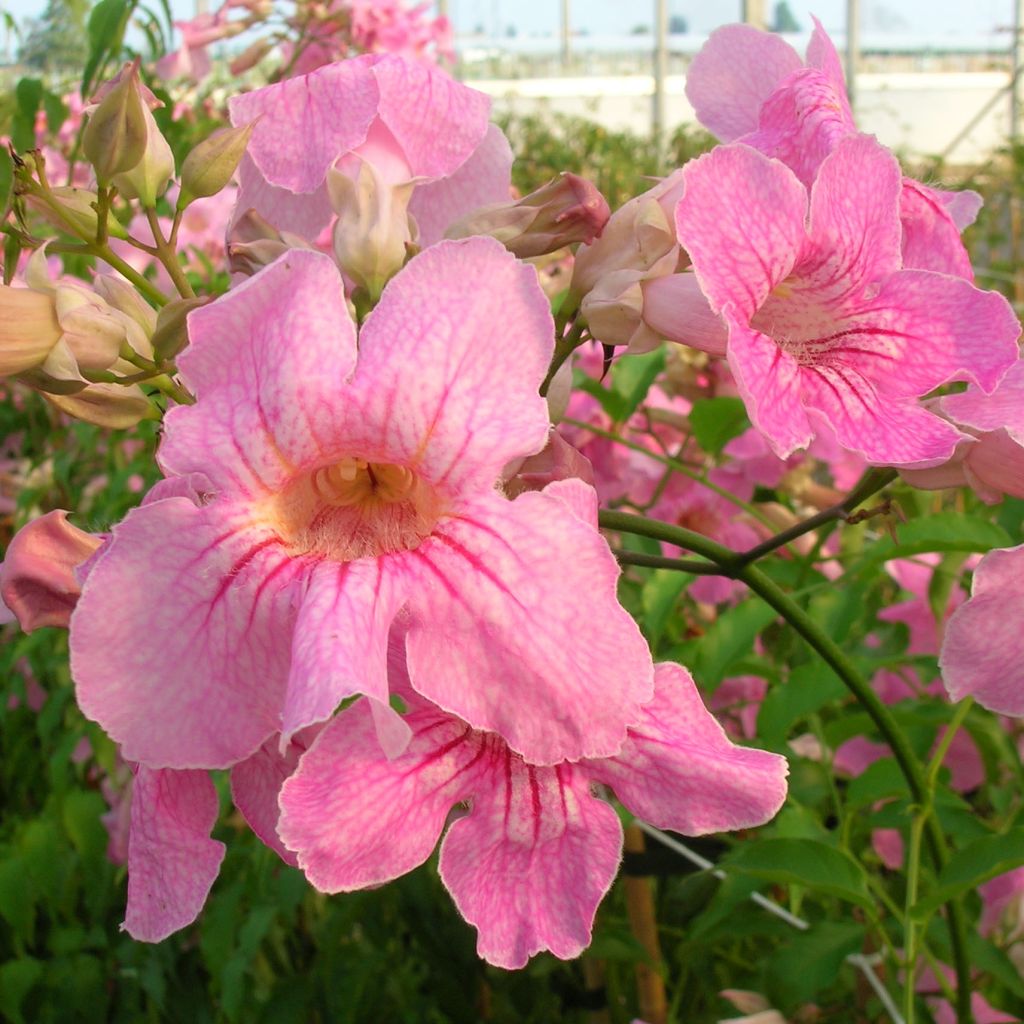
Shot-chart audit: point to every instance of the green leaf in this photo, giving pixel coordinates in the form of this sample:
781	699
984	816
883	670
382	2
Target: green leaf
809	964
6	177
17	978
659	596
810	688
945	531
106	30
28	94
632	377
730	637
879	780
975	864
803	862
716	421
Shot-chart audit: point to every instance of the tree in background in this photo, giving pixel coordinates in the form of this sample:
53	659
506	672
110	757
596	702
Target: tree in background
784	21
58	39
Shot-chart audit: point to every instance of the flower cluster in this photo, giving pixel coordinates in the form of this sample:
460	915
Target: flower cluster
370	582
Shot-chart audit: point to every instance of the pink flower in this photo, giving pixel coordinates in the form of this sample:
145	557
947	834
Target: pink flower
410	121
983	651
537	851
821	315
317	492
752	87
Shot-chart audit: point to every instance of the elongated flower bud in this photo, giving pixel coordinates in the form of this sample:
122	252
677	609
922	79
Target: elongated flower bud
114	140
28	329
210	166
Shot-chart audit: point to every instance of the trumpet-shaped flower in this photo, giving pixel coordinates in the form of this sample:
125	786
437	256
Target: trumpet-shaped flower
317	492
529	863
410	121
820	312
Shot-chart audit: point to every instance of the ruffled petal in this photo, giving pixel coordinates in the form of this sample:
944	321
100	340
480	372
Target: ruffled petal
768	379
356	818
444	387
341	637
180	643
172	861
1003	408
485	178
268	363
302	125
735	71
741	219
499	637
931	238
679	770
531	861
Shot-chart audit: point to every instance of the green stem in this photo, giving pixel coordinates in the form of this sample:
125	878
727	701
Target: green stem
564	347
169	257
661	562
832	655
911	933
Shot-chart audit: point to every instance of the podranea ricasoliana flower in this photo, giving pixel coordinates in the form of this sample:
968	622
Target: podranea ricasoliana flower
982	653
538	849
411	123
821	314
317	491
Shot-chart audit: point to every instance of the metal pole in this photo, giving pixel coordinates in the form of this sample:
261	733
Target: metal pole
852	49
1017	61
660	71
442	8
753	13
566	33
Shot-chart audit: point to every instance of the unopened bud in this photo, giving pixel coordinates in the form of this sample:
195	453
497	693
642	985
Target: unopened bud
255	243
38	575
28	329
149	178
373	228
106	405
114	140
565	211
211	165
171	335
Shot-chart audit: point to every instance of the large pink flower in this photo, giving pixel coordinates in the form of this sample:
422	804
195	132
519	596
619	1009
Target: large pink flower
752	87
410	121
537	851
821	314
983	652
317	492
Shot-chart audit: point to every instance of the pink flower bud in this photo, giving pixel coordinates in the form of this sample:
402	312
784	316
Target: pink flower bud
565	211
37	578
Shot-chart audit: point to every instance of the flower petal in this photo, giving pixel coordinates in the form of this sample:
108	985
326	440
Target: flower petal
982	653
931	238
268	363
172	861
357	819
302	125
741	219
341	637
735	71
679	770
499	636
485	178
180	642
531	861
768	380
1003	408
432	354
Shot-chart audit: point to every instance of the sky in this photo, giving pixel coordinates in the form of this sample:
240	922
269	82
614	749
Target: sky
614	17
